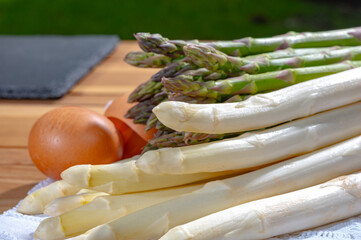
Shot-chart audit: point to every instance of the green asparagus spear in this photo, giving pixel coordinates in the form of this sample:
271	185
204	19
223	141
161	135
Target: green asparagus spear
204	74
248	46
143	117
289	52
188	99
236	98
147	59
151	122
138	108
143	110
164	129
251	84
178	139
160	45
155	100
153	86
215	60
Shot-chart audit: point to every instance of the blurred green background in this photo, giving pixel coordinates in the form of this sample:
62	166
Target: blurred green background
186	19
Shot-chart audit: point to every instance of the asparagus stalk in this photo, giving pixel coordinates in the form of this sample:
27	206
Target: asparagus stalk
147	59
203	73
145	91
217	61
153	85
257	148
142	118
178	139
142	111
152	120
125	177
248	46
290	52
104	209
35	202
158	44
188	99
264	110
67	203
286	213
293	174
139	108
251	84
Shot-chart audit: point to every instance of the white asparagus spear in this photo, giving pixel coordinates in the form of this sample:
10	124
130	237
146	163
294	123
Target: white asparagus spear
104	209
65	204
119	178
290	175
258	147
264	110
35	202
332	201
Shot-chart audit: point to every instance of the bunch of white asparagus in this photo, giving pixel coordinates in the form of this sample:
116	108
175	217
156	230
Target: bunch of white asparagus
260	184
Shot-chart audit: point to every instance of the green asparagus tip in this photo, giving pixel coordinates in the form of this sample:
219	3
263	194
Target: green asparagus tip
204	56
251	68
295	62
158	44
147	59
134	58
286	75
223	87
154	43
356	33
133	96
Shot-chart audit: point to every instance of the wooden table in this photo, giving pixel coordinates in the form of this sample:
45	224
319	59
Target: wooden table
109	79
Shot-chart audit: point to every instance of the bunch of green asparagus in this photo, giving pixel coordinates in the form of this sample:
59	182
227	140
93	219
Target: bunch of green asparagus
231	71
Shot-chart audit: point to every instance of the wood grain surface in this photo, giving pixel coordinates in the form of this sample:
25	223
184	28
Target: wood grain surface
109	79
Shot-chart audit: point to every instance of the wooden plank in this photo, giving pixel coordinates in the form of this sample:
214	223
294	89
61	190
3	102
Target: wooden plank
101	90
12	193
17	175
14	156
72	99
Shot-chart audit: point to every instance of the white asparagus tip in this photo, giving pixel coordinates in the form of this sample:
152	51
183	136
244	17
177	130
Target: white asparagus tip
167	110
30	205
50	227
78	175
53	210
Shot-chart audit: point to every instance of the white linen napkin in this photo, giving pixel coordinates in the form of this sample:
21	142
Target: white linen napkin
16	226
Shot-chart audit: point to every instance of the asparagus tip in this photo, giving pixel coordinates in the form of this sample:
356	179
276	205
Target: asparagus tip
252	68
295	62
286	75
155	43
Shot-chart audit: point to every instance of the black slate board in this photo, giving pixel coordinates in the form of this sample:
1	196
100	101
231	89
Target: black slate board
42	67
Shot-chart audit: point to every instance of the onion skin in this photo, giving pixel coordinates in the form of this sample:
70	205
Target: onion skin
69	136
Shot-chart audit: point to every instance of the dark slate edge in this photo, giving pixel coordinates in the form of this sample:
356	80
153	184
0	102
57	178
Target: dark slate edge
60	89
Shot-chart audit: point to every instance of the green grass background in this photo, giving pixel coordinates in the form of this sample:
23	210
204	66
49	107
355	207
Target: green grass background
186	19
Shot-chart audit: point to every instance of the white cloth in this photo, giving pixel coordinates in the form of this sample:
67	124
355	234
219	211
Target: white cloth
16	226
